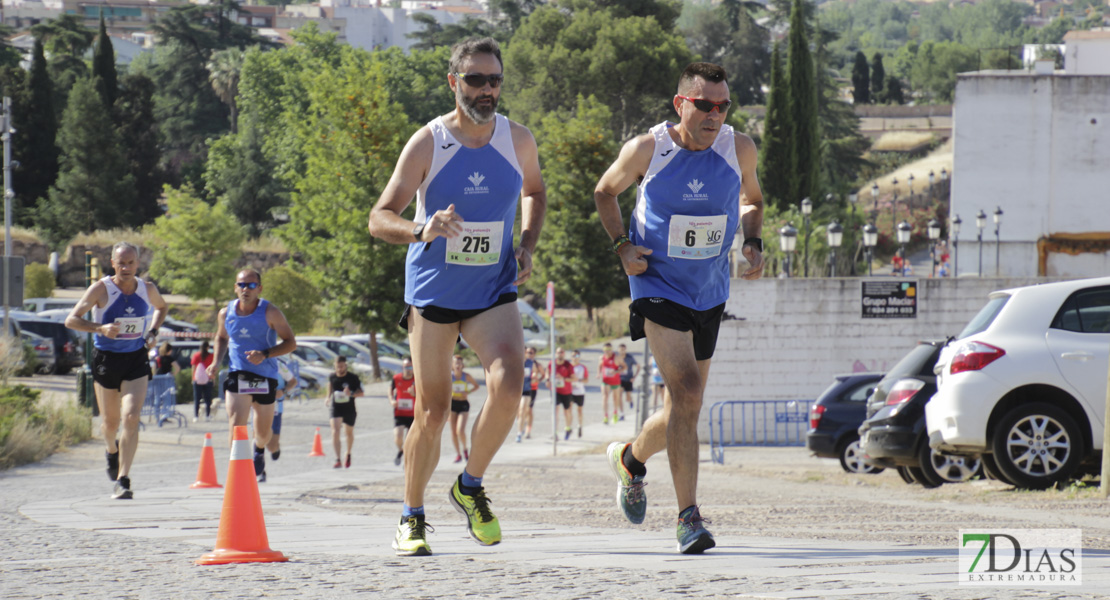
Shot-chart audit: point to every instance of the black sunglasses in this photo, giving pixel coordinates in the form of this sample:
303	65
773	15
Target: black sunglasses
707	106
248	285
478	80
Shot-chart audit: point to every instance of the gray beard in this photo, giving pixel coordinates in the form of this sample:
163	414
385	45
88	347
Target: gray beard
470	108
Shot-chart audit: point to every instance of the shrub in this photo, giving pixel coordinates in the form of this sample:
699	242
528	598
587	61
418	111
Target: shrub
31	430
294	294
38	281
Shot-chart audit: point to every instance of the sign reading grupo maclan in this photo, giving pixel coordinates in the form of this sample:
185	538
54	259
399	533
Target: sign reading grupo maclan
892	299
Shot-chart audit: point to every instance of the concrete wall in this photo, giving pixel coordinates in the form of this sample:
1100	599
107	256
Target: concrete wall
1037	147
787	338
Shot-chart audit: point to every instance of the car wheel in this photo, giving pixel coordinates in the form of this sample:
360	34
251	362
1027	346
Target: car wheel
851	458
1036	445
947	468
990	467
920	477
904	473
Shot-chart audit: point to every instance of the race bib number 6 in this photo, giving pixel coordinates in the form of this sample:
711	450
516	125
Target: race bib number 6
479	245
696	237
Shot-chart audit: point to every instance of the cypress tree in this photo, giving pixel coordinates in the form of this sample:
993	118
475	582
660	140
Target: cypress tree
878	77
776	164
93	190
36	129
894	93
803	109
138	132
861	80
104	66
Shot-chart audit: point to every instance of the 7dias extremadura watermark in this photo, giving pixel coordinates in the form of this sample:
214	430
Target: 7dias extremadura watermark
1023	557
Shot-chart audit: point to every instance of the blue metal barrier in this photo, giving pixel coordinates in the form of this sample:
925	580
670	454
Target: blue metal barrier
757	423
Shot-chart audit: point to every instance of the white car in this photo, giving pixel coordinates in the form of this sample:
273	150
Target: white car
1024	384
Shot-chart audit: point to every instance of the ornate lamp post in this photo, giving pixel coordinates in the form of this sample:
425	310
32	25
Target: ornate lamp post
870	238
875	200
932	179
910	197
980	223
788	239
894	206
836	235
934	235
904	231
954	233
807	210
997	241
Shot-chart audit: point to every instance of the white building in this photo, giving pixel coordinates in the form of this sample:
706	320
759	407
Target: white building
1037	146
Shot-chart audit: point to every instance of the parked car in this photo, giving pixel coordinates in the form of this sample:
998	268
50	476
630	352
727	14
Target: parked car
397	350
1024	384
835	417
66	342
43	348
893	435
37	305
354	351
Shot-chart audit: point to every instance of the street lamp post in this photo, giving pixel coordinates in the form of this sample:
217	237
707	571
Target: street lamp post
875	200
954	233
997	241
910	197
980	223
894	205
788	239
932	179
807	210
835	235
870	238
904	231
853	197
934	235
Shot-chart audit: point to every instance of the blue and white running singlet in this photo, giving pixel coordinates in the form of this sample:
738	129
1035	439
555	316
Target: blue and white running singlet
687	212
130	311
250	332
473	269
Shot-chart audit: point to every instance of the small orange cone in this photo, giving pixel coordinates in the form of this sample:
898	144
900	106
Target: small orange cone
317	445
242	534
206	471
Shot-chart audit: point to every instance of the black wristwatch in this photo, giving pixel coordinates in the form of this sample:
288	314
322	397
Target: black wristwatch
266	352
755	242
418	231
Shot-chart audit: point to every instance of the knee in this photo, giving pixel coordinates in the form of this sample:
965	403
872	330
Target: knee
130	421
434	419
109	424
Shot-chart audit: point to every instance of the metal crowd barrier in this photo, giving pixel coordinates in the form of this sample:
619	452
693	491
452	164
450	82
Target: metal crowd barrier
757	423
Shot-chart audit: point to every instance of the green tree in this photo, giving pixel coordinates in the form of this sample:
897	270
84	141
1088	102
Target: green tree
67	40
776	157
861	80
139	134
728	35
510	13
9	56
878	76
195	248
803	109
608	48
241	176
894	90
94	189
434	34
352	135
104	66
574	253
38	281
33	144
841	144
224	69
295	295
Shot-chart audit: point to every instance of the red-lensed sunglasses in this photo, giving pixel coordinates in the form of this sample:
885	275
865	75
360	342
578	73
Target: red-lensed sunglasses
707	106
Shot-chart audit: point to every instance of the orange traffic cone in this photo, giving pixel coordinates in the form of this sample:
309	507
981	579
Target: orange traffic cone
317	445
242	534
206	471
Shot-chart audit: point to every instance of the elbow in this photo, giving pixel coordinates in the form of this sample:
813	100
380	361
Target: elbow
374	225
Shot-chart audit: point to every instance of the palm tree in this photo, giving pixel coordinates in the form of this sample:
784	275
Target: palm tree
223	71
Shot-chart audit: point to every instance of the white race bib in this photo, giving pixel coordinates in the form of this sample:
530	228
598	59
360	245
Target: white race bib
479	245
404	403
130	327
696	237
339	397
253	385
560	382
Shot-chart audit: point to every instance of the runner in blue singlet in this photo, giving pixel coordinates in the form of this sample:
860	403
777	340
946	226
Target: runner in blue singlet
697	186
127	313
248	328
468	170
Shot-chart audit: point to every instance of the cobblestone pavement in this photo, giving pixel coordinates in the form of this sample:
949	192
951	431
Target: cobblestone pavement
788	525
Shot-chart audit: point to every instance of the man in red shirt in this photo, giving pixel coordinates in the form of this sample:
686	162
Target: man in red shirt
402	395
610	366
562	381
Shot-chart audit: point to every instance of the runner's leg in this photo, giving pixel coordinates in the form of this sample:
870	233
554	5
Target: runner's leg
263	423
132	397
109	401
336	425
453	425
460	430
432	345
501	351
238	411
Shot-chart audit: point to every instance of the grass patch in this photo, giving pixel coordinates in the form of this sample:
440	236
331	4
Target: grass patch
902	141
266	243
109	237
31	430
27	236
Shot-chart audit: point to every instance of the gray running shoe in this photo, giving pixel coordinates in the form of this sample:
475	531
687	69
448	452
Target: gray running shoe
122	490
630	489
693	537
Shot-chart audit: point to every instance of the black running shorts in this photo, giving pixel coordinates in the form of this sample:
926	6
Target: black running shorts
111	369
705	324
446	316
345	411
231	384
